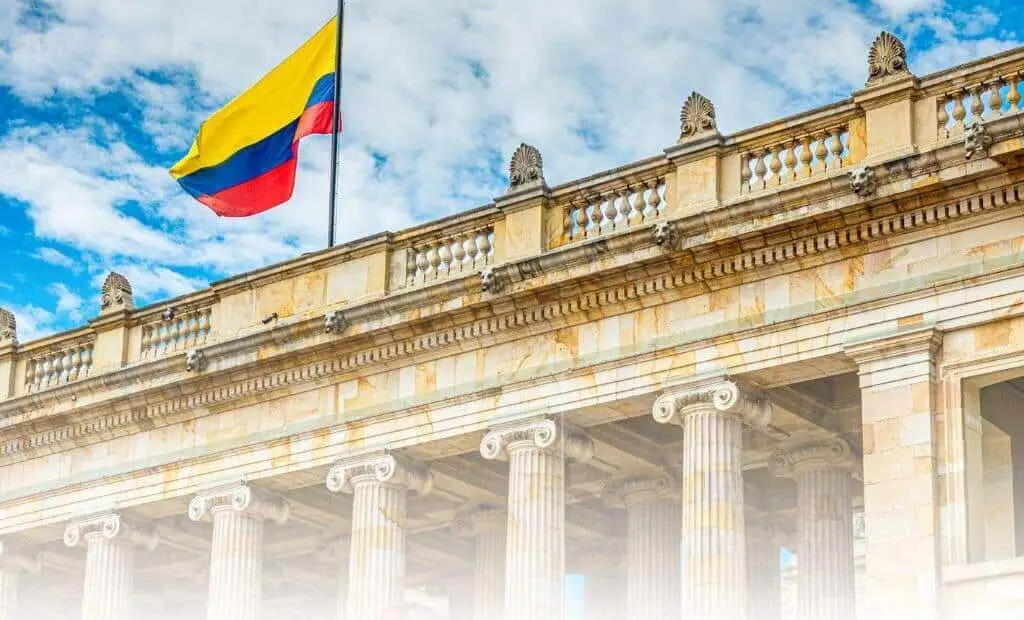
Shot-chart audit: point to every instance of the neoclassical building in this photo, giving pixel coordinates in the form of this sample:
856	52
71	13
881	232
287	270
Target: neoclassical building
806	335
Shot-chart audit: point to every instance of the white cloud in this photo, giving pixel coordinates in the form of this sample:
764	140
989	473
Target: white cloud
69	303
897	9
58	258
33	322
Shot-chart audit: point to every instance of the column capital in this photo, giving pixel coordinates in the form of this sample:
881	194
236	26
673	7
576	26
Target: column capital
720	394
111	526
544	433
239	498
634	490
476	520
19	558
830	454
382	467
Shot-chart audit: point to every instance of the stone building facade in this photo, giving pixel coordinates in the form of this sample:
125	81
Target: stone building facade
656	377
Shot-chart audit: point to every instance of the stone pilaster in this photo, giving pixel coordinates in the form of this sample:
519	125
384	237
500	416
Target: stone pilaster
535	554
764	565
110	541
379	484
825	578
236	555
487	526
712	414
13	562
652	545
900	403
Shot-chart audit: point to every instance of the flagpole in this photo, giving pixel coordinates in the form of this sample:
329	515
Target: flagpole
335	123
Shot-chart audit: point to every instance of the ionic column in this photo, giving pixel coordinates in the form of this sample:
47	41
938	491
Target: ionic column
826	589
764	568
13	562
379	485
486	525
236	555
110	541
652	545
712	414
535	551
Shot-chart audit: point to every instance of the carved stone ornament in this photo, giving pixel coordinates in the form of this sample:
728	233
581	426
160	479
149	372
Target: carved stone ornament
665	234
111	526
8	328
526	167
697	117
239	498
490	280
195	361
888	57
334	322
725	396
862	181
831	454
117	293
386	468
638	489
546	434
976	140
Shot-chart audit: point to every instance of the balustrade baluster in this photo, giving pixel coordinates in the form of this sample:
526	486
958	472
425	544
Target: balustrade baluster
977	105
820	151
744	172
959	114
609	213
472	251
805	156
594	211
995	100
760	170
654	201
483	242
444	254
459	253
410	265
775	166
642	206
942	117
1013	96
789	159
579	220
837	148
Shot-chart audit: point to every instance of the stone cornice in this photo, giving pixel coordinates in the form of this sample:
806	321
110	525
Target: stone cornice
216	388
920	340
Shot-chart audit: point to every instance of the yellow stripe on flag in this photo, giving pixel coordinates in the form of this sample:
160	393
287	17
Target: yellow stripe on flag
271	104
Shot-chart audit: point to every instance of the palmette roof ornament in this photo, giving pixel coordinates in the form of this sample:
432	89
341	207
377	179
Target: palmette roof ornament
117	293
8	328
526	167
697	117
887	58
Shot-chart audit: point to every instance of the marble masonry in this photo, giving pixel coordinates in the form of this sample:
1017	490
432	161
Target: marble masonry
768	375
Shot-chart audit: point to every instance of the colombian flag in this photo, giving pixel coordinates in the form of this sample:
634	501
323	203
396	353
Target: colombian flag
243	159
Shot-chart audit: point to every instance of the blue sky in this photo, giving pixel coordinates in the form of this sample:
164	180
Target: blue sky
99	97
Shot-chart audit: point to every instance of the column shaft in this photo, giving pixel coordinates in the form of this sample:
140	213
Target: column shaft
109	573
652	560
236	566
9	578
489	577
535	555
826	588
605	594
713	547
377	557
764	568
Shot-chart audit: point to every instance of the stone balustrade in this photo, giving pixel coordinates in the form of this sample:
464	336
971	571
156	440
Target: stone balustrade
795	157
175	332
996	96
619	208
450	255
64	364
